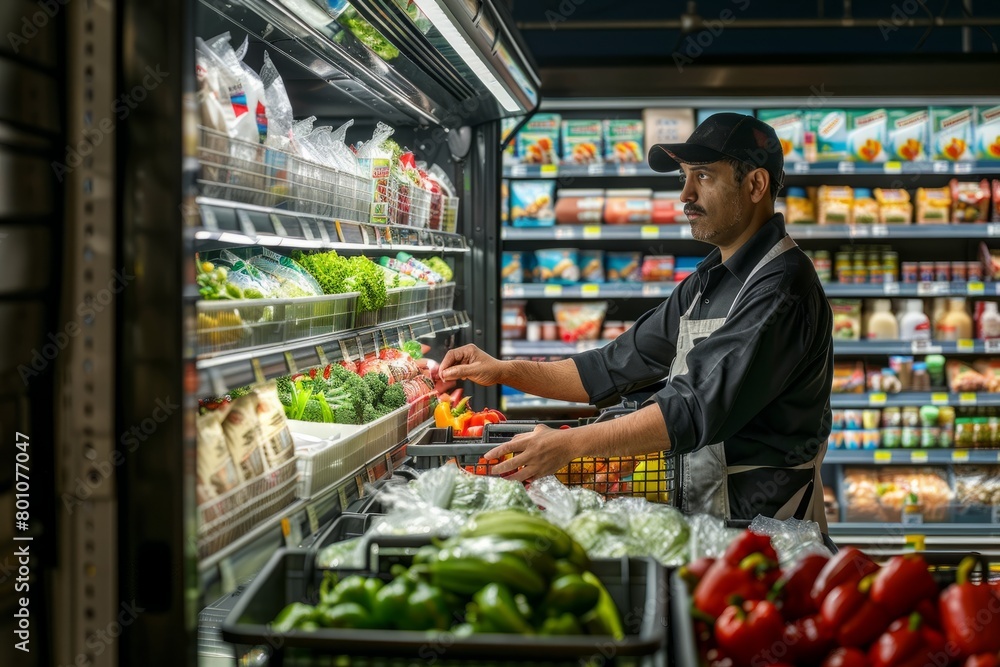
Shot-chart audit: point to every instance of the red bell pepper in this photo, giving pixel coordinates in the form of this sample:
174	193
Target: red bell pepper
808	640
902	584
849	566
982	660
792	592
748	632
855	619
694	572
749	580
483	418
928	610
473	432
909	643
748	543
846	657
970	614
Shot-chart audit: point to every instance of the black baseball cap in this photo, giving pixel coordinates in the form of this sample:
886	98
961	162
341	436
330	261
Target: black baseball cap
721	136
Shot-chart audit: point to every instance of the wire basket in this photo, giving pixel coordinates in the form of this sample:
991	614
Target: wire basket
449	215
227	325
348	448
441	297
251	173
226	518
409	204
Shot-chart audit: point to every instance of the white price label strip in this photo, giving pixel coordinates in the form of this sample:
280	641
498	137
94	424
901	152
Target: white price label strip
801	168
992	346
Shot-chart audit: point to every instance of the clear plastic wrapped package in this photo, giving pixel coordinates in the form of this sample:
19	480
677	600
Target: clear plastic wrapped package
793	539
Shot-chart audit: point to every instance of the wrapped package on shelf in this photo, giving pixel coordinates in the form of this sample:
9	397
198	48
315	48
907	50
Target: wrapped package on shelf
879	494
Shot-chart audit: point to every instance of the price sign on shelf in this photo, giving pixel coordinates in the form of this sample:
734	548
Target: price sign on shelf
876	399
512	291
342	494
975	288
279	227
595	169
963	167
967	398
801	168
992	345
939	167
965	345
880	230
992	229
960	456
893	167
924	347
882	456
651	290
209	220
939	398
685	231
246	224
313	519
552	290
519	170
565	232
890	288
859	231
845	167
592	232
918	457
550	170
627	170
590	290
649	232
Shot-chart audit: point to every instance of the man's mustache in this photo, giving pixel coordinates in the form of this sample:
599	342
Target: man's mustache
688	210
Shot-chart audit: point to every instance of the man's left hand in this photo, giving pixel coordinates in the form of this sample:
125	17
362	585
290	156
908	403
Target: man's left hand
538	454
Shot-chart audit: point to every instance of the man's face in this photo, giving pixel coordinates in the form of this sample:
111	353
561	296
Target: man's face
717	207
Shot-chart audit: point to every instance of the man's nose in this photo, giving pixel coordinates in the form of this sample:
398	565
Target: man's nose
688	194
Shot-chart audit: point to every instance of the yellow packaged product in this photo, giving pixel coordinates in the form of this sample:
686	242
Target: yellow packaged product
864	209
799	207
893	206
834	204
933	205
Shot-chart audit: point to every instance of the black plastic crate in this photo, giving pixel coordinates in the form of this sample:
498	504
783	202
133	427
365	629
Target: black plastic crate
943	565
638	586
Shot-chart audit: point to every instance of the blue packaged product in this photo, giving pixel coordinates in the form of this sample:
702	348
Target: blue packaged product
557	266
512	267
623	267
532	203
591	266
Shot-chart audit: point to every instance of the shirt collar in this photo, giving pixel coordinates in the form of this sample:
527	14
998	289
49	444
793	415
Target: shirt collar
743	261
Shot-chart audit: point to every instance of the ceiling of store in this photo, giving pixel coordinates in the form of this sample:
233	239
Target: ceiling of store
578	33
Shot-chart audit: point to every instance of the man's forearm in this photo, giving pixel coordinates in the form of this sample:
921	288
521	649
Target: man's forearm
551	379
642	432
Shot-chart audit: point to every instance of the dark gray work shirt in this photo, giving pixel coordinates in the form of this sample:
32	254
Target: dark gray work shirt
760	383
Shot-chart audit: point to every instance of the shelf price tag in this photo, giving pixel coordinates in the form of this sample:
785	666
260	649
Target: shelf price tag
965	345
246	224
967	398
258	372
279	227
939	398
801	168
996	514
876	398
519	170
313	519
552	290
550	170
924	347
963	167
590	290
360	482
649	232
290	362
565	232
651	290
345	354
960	456
685	231
342	494
918	457
880	230
859	231
891	288
627	170
321	355
371	474
592	232
939	167
595	170
975	288
882	456
992	345
845	167
893	167
209	220
992	229
388	463
515	291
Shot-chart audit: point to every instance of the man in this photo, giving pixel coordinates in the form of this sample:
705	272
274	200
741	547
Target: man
745	344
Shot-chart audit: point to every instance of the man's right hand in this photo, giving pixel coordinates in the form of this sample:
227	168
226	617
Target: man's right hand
470	363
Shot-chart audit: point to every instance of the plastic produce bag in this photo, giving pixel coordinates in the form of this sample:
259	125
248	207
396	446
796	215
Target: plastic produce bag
231	79
793	539
255	92
347	555
654	529
279	108
286	269
344	158
709	536
556	500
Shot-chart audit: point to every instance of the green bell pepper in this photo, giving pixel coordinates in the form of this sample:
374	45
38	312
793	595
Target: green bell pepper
427	609
571	593
603	619
564	624
354	589
293	616
392	602
497	608
345	615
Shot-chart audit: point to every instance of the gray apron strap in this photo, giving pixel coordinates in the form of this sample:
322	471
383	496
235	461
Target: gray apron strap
780	248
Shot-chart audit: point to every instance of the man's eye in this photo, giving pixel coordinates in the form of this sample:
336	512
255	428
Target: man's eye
702	176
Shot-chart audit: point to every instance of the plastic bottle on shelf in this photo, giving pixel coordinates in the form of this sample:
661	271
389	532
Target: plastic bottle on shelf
956	323
938	311
882	324
914	324
989	321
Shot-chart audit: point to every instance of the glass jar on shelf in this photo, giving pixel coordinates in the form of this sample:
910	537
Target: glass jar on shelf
964	433
981	432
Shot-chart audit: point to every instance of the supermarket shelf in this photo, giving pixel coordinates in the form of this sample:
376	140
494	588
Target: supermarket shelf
792	169
904	399
682	232
554	348
891	532
662	290
911	456
219	374
234	223
588	291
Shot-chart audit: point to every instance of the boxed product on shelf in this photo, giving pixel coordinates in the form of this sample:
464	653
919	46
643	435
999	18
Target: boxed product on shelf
628	207
685	266
799	207
893	205
557	266
789	125
623	141
826	136
988	133
977	485
933	206
970	201
579	321
963	378
538	140
864	209
623	267
512	267
667	126
846	319
867	134
990	370
909	130
668	209
658	268
507	126
591	266
513	320
834	204
531	203
995	210
848	377
952	133
880	494
704	114
581	142
504	201
579	207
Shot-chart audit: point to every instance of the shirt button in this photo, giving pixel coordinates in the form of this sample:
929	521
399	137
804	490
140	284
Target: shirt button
706	302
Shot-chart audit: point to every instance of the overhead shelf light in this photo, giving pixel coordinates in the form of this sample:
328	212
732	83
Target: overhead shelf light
437	16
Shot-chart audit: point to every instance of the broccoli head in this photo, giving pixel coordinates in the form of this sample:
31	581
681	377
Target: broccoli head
394	397
369	414
346	414
377	384
313	412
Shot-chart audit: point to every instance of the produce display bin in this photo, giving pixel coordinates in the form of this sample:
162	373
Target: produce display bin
226	518
254	174
638	586
650	477
319	315
346	448
402	303
441	297
409	204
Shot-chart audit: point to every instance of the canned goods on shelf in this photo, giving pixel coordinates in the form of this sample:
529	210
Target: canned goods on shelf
926	272
942	272
911	272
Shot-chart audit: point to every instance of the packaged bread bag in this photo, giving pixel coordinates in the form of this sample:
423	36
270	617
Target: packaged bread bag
216	470
278	447
933	205
245	437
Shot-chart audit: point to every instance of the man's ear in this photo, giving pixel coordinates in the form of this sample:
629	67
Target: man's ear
760	185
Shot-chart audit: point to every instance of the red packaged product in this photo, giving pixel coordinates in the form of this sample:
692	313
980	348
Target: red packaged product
668	209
